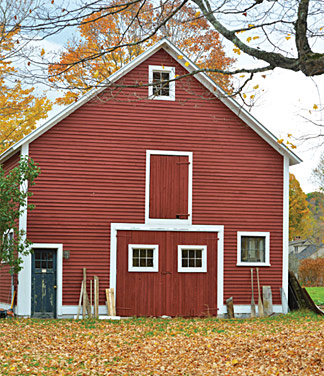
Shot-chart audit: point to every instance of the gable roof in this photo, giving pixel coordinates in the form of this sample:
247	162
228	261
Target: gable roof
188	65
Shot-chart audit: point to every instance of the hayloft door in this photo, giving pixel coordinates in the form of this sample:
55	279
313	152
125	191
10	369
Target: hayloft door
44	283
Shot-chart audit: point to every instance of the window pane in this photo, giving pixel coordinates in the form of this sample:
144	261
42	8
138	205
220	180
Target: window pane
37	264
191	263
161	87
142	262
143	257
198	263
253	248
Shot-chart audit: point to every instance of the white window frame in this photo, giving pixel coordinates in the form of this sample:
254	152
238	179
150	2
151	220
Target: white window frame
158	221
202	269
163	69
154	268
266	235
11	231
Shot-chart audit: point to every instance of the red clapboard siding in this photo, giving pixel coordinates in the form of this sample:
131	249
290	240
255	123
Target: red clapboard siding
166	292
5	276
93	174
168	186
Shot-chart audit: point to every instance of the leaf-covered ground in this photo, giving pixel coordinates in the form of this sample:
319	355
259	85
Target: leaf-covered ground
282	345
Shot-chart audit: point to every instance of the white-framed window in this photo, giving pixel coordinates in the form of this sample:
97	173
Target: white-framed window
9	234
253	248
143	258
192	258
160	85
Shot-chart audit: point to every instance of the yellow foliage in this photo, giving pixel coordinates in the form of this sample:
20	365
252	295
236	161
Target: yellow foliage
19	108
301	221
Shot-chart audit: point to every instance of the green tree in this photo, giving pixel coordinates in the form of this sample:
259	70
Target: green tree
301	221
14	191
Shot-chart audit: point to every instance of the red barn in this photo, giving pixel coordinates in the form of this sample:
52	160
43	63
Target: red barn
168	193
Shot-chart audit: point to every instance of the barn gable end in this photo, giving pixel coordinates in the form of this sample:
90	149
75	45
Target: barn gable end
105	177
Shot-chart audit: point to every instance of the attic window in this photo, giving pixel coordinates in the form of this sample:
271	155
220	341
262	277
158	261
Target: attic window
162	88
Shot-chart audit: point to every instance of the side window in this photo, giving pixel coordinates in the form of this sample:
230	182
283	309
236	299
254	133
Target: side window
143	258
192	258
162	85
169	186
253	248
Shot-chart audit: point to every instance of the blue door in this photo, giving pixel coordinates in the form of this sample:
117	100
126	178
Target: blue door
43	283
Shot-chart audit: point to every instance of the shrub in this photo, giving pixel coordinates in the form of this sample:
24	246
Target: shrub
311	272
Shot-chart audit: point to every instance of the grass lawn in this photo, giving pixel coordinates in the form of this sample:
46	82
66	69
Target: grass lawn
317	294
280	345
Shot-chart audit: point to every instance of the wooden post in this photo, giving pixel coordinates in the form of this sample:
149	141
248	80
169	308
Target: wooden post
112	299
96	296
91	295
80	300
84	293
230	308
108	302
110	296
284	301
267	300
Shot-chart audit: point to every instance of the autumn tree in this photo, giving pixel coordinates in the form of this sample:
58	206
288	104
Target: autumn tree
192	35
283	33
301	222
14	191
20	109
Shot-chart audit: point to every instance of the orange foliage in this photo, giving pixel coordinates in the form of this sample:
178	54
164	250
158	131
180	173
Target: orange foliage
19	108
85	62
311	272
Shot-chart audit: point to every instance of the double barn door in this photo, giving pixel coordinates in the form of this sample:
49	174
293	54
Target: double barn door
166	290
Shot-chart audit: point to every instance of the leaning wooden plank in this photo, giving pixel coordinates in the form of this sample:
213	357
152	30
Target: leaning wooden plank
108	302
96	296
84	292
91	295
297	290
88	307
80	300
284	301
112	300
230	308
267	300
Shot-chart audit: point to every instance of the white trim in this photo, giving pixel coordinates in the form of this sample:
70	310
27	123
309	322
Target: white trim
69	311
154	268
156	221
163	69
245	309
190	228
266	235
285	231
24	276
24	286
188	269
188	65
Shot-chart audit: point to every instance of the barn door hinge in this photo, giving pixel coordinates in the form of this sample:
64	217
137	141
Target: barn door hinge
178	216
